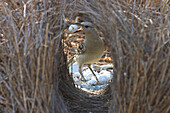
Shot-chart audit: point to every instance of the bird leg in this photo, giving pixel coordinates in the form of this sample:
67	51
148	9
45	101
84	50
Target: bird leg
93	72
80	71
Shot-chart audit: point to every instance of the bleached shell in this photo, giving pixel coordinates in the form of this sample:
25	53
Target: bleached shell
91	82
87	74
103	79
73	28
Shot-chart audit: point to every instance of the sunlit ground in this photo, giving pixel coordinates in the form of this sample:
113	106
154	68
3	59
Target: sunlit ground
104	74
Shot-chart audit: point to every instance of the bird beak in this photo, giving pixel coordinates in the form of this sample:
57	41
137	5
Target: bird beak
81	28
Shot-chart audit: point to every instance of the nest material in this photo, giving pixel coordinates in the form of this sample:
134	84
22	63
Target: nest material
80	101
33	69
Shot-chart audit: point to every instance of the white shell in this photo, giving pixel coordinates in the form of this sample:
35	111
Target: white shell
73	28
103	79
91	82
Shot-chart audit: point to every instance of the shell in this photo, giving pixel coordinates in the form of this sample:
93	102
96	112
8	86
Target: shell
73	28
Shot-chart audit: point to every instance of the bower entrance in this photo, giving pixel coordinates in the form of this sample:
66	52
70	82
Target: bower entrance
85	96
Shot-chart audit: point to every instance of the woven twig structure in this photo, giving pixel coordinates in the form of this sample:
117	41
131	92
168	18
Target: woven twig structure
33	65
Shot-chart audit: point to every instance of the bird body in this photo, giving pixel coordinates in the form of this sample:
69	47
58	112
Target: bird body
94	49
91	49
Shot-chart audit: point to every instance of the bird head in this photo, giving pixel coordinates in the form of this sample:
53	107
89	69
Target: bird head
83	27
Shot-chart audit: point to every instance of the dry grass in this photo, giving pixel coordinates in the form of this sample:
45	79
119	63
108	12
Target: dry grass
31	57
33	70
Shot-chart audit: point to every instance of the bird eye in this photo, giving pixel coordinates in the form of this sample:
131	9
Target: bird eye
86	26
